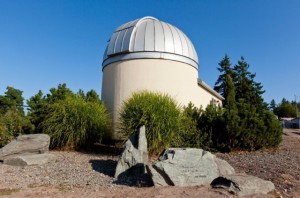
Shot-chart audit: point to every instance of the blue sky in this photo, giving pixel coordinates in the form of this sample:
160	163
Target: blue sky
47	42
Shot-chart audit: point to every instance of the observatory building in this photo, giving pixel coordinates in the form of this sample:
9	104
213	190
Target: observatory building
148	54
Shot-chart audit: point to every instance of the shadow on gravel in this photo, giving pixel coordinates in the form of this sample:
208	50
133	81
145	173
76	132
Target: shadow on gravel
297	133
107	167
106	149
131	177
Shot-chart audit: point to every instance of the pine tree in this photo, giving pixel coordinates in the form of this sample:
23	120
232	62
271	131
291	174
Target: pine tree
224	69
246	87
272	105
231	114
12	99
248	124
37	110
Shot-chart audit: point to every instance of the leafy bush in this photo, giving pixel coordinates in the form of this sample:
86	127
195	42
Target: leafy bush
75	123
240	127
273	134
206	127
190	135
5	136
211	129
158	112
12	124
258	128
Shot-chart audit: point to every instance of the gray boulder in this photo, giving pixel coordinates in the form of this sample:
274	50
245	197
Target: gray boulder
32	159
243	184
134	156
26	144
187	167
224	167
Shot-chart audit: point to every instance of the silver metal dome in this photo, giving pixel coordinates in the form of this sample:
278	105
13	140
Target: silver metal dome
149	38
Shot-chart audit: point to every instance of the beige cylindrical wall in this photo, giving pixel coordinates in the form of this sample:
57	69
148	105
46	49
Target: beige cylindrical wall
179	80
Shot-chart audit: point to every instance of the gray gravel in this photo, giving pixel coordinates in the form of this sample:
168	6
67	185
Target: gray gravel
76	169
69	169
281	166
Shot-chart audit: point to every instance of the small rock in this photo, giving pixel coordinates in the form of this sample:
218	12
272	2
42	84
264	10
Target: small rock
24	160
243	184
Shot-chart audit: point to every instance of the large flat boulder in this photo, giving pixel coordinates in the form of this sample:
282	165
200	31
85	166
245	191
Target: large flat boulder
242	185
26	144
31	159
134	156
187	167
224	167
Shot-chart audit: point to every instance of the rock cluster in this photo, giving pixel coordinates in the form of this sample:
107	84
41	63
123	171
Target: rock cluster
27	150
188	167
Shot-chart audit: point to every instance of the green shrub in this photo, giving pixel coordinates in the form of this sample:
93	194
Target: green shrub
206	127
215	128
158	112
273	133
211	129
5	136
258	128
75	123
12	124
192	133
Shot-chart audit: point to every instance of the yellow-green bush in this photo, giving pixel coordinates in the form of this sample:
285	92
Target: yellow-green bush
158	112
76	123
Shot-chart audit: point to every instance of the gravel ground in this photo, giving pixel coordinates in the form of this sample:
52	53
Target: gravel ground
69	169
281	166
78	174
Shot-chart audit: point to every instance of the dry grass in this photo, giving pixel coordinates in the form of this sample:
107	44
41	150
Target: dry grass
8	191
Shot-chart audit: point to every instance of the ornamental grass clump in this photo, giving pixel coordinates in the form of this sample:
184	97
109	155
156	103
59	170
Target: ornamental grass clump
75	123
158	112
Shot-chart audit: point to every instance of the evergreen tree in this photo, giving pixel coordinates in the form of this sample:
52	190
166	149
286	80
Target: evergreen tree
39	104
272	105
80	94
12	99
231	114
286	109
224	69
248	123
246	87
92	96
59	93
37	110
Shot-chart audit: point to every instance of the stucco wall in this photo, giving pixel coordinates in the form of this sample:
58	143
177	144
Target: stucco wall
179	80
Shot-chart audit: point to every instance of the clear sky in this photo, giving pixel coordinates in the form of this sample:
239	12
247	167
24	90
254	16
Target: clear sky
47	42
